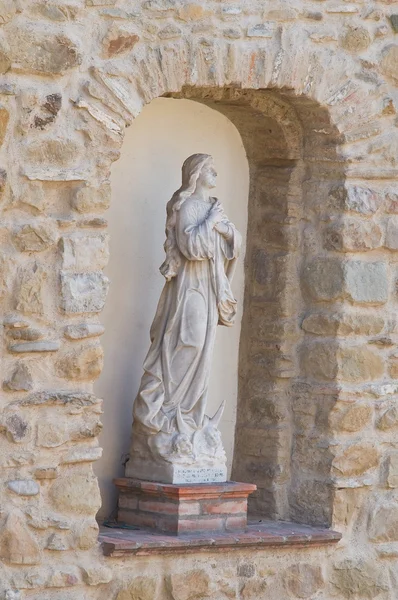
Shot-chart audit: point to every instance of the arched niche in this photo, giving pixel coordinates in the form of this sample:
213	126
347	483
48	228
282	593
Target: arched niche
282	436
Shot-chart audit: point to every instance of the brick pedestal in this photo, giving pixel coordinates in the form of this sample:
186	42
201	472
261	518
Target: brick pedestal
179	509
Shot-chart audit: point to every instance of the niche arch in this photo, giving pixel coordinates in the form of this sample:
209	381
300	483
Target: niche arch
282	415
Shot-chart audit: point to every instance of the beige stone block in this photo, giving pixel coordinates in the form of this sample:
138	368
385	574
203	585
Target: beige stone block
30	293
253	589
336	323
18	545
83	292
383	526
319	360
389	61
358	576
303	580
392	470
87	534
190	585
353	419
366	282
97	574
91	199
119	40
4	118
356	39
84	363
20	380
356	459
8	8
353	235
41	49
52	433
36	236
359	363
53	151
76	493
323	279
388	419
82	252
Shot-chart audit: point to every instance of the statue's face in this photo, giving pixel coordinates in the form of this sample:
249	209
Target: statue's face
208	175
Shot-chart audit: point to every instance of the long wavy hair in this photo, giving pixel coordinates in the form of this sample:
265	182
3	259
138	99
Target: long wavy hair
190	172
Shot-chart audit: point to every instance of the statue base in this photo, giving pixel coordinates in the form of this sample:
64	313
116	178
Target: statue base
179	509
172	473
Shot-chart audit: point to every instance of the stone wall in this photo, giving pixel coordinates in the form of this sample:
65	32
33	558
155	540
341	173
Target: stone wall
319	385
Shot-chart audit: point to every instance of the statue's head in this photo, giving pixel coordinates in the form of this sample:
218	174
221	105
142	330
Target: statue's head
198	168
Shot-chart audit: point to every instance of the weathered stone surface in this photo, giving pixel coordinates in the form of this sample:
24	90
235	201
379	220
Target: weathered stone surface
19	547
392	470
356	39
191	585
389	62
79	494
26	334
261	30
366	282
355	460
30	294
303	580
20	380
87	534
383	526
47	473
35	49
96	575
323	278
83	331
362	200
391	238
85	252
5	60
353	235
388	419
119	40
51	434
41	346
353	419
253	589
24	487
82	364
60	398
334	323
393	365
53	152
319	361
83	292
90	199
57	542
17	428
358	577
359	363
8	8
36	236
80	455
4	118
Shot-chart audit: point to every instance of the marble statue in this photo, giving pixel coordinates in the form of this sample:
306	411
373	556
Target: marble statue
173	440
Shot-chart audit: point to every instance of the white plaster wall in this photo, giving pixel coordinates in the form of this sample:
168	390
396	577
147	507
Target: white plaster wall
143	180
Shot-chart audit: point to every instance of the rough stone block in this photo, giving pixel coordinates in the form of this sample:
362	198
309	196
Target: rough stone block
366	282
83	292
85	252
335	323
353	235
389	62
90	199
79	494
82	364
383	526
303	580
319	361
392	470
323	278
41	50
30	294
36	236
391	238
362	200
359	363
358	577
355	460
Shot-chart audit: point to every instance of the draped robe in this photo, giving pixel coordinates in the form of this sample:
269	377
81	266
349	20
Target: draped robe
177	367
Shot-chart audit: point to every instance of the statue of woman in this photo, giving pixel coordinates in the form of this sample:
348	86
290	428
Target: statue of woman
170	428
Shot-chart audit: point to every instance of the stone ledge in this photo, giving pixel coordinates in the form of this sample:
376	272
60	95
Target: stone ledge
258	535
